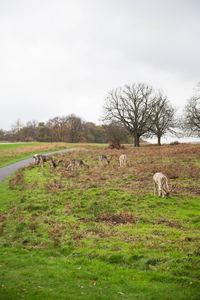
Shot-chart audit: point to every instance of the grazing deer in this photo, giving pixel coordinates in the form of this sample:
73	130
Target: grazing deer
41	159
60	162
122	160
161	181
36	159
76	162
103	158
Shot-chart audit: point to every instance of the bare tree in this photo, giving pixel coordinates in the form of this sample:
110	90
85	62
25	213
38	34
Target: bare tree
16	130
17	126
57	128
190	122
2	135
132	106
75	127
162	118
66	129
29	132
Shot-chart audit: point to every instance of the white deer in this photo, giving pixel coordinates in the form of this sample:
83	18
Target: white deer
161	181
36	159
122	160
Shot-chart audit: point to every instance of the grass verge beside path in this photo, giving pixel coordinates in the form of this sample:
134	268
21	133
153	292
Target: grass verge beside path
11	153
100	233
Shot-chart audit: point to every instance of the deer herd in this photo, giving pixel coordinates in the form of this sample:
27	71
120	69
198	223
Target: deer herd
159	179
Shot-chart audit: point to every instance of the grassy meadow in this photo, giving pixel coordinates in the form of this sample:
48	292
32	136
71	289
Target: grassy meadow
100	233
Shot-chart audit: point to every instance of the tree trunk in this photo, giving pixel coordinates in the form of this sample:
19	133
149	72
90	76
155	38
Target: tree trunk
159	139
137	140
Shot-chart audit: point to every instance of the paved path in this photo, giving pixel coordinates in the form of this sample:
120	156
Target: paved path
5	172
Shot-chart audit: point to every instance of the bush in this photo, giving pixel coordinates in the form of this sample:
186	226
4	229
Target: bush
175	143
114	144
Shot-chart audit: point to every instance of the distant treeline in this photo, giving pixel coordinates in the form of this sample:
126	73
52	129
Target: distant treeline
70	128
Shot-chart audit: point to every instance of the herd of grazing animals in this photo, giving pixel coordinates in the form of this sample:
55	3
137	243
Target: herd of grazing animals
159	179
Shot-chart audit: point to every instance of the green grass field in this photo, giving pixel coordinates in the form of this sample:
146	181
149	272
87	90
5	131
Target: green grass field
100	233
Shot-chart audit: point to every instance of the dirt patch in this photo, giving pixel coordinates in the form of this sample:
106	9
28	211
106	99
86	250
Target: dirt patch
192	189
177	189
54	186
169	223
118	218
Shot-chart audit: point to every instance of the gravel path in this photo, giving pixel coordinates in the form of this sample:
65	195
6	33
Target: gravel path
5	172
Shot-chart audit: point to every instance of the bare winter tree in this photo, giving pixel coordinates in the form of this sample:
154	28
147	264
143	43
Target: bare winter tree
66	129
29	131
17	126
57	128
2	134
162	118
190	122
75	128
132	106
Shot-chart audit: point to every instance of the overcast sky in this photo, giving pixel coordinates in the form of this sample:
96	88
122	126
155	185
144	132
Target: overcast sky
59	57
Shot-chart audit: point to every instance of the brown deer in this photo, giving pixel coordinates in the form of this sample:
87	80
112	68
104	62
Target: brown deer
41	159
76	162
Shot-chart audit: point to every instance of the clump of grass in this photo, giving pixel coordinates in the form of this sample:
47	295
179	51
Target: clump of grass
54	186
17	180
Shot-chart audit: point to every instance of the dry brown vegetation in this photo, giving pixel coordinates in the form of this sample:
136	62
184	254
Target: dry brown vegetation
17	179
37	148
180	163
115	219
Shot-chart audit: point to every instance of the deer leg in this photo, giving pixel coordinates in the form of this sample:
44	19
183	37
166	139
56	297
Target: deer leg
159	191
154	189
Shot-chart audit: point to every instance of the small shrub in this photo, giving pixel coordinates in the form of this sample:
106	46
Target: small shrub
175	143
114	144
